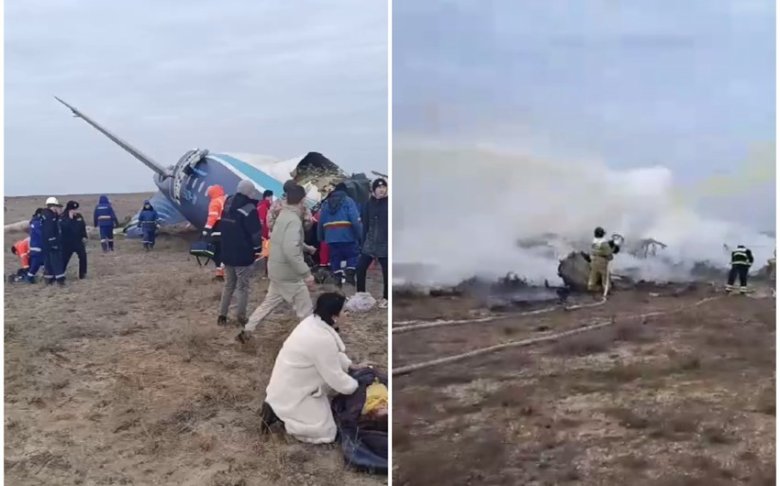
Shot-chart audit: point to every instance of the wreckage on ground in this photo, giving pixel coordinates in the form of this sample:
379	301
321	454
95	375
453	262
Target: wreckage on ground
182	203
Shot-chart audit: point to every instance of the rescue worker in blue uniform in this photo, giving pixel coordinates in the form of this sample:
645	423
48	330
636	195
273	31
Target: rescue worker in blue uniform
147	220
340	227
74	235
741	260
36	245
105	221
53	268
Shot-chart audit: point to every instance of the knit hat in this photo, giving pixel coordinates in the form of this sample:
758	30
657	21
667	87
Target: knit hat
378	183
71	205
247	188
295	194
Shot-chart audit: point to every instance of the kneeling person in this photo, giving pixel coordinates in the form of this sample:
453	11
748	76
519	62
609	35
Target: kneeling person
310	367
22	250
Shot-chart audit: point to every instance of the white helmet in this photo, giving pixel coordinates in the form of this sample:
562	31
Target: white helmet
52	201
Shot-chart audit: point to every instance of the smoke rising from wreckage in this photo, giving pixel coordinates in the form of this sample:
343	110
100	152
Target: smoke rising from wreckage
525	214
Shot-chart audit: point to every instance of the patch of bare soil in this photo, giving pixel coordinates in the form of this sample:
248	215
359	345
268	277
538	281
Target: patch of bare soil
125	378
677	399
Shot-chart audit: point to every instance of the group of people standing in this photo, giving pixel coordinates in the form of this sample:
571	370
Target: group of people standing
56	234
249	228
252	228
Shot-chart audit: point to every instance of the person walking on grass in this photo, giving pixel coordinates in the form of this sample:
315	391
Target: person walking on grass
375	237
290	276
241	242
340	227
105	220
147	220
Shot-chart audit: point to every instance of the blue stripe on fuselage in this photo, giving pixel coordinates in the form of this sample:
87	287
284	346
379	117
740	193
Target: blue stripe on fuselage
256	175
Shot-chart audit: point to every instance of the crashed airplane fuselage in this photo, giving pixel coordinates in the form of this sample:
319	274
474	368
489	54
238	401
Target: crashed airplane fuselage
182	187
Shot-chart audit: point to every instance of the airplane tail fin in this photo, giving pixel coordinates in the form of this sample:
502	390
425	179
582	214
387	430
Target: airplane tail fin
146	160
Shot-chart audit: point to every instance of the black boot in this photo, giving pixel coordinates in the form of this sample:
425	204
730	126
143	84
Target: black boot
267	418
222	321
350	277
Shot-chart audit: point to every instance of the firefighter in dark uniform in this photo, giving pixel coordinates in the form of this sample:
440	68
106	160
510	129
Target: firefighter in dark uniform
74	234
741	260
54	270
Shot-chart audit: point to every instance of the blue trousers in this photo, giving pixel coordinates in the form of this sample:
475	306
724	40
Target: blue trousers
340	252
107	237
36	262
149	235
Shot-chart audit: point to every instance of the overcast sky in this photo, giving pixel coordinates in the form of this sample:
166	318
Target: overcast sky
685	84
268	77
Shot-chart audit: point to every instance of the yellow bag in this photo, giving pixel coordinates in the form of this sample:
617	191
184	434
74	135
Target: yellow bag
376	398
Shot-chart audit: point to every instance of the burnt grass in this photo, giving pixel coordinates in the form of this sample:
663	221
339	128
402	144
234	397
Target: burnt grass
680	399
125	378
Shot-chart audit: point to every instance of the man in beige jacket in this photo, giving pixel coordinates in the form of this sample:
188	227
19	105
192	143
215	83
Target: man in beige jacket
290	277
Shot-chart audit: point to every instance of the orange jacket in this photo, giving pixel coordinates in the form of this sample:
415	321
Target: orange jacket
217	198
23	251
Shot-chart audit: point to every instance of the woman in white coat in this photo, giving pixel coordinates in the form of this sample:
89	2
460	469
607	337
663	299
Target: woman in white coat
310	367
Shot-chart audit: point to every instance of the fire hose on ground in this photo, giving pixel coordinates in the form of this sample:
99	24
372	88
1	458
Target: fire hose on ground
403	370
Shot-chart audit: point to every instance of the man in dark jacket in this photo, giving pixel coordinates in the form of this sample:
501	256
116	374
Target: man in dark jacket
54	270
74	234
241	246
375	237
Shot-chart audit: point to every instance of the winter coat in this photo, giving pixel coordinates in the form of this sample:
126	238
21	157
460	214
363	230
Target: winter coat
339	220
286	262
104	214
147	218
36	234
74	230
310	366
375	228
241	231
262	212
51	231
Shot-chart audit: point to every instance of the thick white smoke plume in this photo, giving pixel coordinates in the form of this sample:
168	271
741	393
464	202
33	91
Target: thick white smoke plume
460	213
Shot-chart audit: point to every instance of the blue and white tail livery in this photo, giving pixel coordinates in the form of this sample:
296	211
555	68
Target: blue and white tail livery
182	186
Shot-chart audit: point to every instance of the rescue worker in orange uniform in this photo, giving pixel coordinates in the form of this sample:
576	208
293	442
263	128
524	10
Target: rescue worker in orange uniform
217	197
22	250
